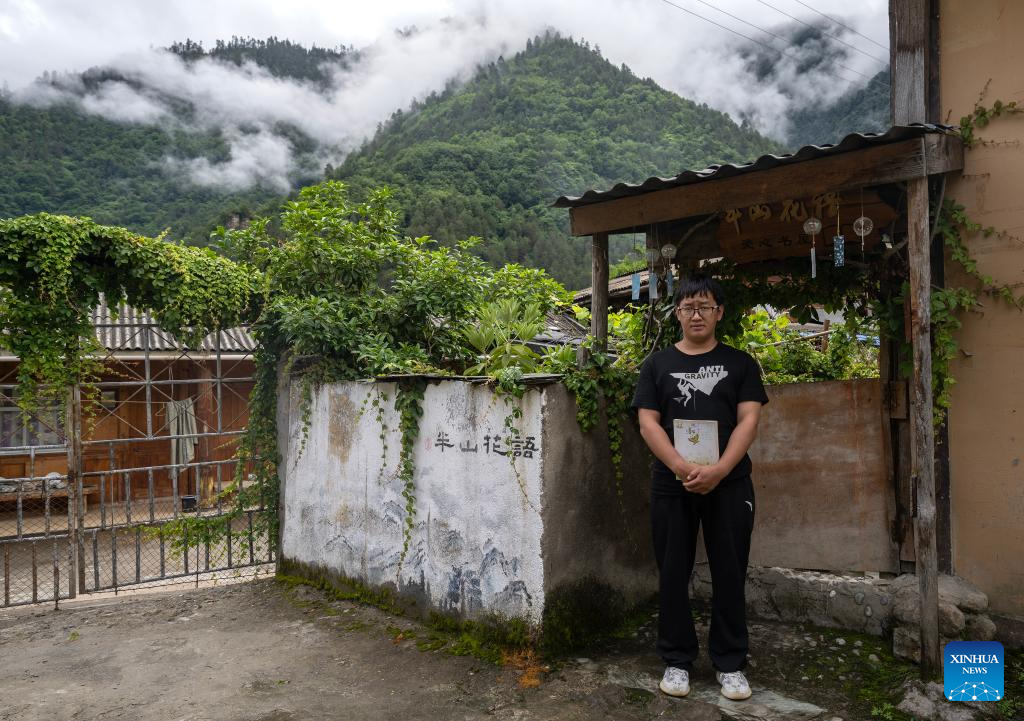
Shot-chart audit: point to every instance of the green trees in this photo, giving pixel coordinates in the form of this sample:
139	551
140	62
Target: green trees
58	160
487	158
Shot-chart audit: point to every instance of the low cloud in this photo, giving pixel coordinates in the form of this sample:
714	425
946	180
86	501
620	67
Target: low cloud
257	158
756	81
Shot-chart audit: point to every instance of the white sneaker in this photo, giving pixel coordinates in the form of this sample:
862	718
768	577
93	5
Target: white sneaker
734	685
675	682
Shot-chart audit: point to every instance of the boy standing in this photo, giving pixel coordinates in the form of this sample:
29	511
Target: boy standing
700	379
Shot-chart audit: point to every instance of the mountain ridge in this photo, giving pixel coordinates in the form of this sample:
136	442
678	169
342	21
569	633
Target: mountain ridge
485	156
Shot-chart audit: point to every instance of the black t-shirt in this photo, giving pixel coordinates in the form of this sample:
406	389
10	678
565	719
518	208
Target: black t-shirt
706	386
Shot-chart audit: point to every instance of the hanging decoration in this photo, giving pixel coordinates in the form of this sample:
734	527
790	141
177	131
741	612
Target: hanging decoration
635	278
839	251
653	254
668	252
812	226
863	226
838	244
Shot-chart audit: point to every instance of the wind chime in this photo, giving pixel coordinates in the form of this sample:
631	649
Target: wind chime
839	241
668	252
812	226
862	228
652	273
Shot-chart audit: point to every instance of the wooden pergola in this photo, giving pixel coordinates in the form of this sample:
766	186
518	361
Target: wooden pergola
754	213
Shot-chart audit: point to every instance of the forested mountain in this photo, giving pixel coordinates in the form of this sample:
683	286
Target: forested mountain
487	158
62	160
282	58
862	110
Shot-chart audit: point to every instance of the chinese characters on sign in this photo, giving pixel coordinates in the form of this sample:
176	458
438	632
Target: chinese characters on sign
825	205
513	445
767	231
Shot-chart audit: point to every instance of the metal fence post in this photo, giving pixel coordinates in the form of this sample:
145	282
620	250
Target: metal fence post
73	431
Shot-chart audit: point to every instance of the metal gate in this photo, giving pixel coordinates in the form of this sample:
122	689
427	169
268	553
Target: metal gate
155	443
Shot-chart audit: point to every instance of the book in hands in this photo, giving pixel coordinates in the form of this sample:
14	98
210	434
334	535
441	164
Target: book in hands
696	441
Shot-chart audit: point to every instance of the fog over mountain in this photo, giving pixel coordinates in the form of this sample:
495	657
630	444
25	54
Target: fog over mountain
280	128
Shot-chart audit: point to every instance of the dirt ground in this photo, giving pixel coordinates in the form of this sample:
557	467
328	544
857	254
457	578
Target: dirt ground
267	651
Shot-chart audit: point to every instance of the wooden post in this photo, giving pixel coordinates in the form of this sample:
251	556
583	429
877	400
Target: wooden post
599	297
909	28
922	430
908	56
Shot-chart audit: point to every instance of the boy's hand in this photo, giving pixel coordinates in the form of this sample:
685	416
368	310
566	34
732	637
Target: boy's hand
683	468
703	479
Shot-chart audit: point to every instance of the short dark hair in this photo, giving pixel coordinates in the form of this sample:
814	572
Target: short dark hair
695	285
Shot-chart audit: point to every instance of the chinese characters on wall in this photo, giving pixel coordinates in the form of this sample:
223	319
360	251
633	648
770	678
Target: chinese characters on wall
510	445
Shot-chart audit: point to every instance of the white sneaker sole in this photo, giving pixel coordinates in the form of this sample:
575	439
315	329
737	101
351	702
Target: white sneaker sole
676	694
736	696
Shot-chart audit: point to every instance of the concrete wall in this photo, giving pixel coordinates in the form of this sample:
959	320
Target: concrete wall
486	538
590	529
981	42
824	500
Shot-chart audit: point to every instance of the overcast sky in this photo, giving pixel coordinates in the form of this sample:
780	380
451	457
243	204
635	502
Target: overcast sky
656	38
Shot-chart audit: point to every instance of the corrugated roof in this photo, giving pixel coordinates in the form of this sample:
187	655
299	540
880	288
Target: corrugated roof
619	286
560	328
135	330
854	141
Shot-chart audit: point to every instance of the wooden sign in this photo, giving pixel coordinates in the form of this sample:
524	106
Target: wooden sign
772	231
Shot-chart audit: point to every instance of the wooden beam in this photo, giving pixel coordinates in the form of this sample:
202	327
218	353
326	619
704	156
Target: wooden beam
874	165
908	55
922	430
599	299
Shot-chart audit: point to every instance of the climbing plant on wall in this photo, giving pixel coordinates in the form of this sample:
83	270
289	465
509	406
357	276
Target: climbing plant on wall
53	269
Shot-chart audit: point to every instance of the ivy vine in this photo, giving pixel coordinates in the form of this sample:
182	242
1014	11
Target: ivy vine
981	115
53	269
409	404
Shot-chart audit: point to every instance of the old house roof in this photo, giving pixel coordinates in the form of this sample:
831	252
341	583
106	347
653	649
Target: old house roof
133	330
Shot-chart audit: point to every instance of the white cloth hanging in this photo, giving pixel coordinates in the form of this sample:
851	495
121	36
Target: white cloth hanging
181	421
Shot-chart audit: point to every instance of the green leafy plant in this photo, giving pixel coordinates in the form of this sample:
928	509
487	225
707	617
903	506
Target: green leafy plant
500	336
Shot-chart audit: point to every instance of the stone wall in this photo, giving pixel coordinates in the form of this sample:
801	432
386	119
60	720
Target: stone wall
865	604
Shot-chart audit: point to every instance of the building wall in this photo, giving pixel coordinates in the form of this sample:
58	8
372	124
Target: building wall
981	43
486	538
125	417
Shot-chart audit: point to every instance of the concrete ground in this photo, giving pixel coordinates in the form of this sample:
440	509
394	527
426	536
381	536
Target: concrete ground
267	651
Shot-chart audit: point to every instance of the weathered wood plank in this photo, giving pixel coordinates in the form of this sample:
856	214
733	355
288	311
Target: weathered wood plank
922	432
908	43
878	165
599	301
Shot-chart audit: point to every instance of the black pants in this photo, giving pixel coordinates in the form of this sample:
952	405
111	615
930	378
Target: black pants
727	516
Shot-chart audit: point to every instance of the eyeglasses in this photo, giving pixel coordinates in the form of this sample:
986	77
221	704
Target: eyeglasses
704	311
